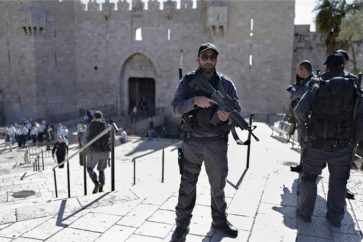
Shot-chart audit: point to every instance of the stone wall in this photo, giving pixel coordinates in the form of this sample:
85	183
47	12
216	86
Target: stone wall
61	57
311	46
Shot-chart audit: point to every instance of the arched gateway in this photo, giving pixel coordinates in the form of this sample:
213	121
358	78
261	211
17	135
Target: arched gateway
137	86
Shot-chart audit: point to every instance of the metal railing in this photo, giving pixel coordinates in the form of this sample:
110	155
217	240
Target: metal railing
112	128
38	156
162	161
248	143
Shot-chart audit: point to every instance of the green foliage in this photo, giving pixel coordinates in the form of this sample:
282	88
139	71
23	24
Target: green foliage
329	18
352	27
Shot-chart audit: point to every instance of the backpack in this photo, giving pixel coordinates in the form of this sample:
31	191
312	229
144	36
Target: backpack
330	126
102	144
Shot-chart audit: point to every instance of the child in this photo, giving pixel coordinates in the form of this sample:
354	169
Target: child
60	149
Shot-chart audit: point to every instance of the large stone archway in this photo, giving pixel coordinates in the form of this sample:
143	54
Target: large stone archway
137	85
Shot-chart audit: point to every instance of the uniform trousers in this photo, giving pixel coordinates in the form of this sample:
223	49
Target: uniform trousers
214	155
339	165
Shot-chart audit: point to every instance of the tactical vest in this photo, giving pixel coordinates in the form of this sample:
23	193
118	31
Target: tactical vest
199	118
102	144
330	127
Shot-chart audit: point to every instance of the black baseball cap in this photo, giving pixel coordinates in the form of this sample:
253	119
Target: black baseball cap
207	46
336	59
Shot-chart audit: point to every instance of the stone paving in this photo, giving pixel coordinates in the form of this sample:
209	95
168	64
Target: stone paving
261	200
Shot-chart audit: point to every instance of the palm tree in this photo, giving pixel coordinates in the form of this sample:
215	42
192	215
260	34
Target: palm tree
351	32
329	18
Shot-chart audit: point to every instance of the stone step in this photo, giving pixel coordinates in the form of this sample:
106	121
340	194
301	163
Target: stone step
19	188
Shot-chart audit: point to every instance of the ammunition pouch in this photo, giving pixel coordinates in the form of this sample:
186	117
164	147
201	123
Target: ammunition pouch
188	136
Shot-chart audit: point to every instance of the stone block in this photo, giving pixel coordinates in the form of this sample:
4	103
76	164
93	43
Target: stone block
17	229
318	228
121	208
138	215
70	234
116	232
154	229
170	203
45	230
96	222
138	238
7	216
163	216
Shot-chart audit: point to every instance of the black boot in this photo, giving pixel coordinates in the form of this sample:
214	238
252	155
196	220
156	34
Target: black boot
179	234
226	228
97	187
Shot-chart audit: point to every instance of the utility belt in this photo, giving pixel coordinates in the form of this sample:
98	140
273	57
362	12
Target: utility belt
330	145
189	136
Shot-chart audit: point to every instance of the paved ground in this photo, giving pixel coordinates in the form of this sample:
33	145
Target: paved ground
261	200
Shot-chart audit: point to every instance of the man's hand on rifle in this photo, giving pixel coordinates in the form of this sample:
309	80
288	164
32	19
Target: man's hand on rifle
203	102
223	115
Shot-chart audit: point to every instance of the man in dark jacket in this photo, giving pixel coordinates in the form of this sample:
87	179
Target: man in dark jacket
304	73
205	133
332	113
98	151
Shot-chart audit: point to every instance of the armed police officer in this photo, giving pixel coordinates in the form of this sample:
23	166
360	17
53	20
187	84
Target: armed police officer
205	133
333	114
304	73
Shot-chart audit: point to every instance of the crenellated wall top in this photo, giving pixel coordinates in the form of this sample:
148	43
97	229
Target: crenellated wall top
136	5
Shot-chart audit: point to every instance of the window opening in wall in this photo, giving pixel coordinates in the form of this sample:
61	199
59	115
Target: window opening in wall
138	34
251	27
169	34
221	29
250	62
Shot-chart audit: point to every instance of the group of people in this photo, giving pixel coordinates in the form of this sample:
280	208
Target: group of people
329	115
37	132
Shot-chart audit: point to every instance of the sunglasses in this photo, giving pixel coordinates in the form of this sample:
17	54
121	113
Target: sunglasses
205	57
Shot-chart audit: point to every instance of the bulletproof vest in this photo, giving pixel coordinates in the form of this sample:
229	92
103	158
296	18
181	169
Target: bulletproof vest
199	118
102	144
330	127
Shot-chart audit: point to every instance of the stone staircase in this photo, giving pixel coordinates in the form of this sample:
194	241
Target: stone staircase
24	187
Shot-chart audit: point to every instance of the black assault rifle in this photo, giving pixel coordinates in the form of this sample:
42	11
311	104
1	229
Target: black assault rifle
225	103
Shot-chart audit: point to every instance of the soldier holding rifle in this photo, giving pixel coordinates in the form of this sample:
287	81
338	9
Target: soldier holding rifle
205	134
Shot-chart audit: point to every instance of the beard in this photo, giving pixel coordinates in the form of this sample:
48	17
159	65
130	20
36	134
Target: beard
208	68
